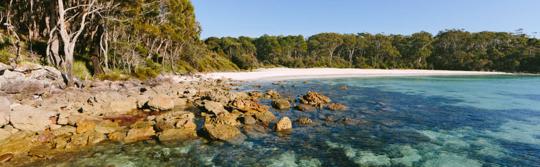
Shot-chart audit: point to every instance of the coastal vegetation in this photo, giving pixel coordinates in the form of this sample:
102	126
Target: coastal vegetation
143	38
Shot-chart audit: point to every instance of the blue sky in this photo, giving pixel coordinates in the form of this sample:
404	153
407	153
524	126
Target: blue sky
307	17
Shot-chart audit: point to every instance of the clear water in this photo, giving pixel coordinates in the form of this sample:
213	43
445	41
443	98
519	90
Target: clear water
409	121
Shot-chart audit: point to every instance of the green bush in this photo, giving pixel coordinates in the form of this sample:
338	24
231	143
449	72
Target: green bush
5	56
115	75
151	70
245	61
81	71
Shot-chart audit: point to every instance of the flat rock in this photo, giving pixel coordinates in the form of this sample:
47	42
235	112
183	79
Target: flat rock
139	134
177	134
4	111
223	132
31	119
336	107
161	103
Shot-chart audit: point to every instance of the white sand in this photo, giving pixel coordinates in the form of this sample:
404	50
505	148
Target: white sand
309	73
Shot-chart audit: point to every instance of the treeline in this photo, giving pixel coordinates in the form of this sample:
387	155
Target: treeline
448	50
97	37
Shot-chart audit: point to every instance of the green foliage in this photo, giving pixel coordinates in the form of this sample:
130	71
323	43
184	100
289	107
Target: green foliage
5	56
80	70
114	75
151	70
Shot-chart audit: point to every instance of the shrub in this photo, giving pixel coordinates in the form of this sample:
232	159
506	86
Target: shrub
151	70
115	75
80	70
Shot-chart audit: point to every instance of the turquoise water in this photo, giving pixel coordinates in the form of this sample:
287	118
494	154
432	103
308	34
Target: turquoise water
407	121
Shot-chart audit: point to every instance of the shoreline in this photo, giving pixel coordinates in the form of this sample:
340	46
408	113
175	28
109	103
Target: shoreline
276	74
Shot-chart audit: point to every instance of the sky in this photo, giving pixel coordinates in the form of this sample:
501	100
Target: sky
307	17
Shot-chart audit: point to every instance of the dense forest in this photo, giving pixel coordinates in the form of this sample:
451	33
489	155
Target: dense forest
142	38
448	50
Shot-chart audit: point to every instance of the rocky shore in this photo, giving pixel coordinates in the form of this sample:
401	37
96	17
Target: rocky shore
40	118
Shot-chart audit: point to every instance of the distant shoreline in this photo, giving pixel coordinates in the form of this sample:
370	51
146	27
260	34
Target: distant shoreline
273	74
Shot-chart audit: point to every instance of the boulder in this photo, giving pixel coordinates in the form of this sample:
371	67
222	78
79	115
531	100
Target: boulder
224	132
31	119
24	86
343	87
215	108
4	111
161	103
4	67
281	104
284	124
248	120
266	117
314	98
336	107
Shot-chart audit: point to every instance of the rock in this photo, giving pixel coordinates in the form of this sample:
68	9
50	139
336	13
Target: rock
343	87
177	134
23	86
85	126
141	131
266	117
215	108
304	121
281	104
352	121
249	106
314	98
28	118
6	157
336	107
4	111
272	94
305	107
255	94
4	67
117	136
284	124
248	120
175	119
4	134
256	131
107	127
161	103
27	67
224	132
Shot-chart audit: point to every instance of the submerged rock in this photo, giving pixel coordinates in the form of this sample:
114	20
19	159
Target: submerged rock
281	104
336	107
177	134
284	124
305	107
304	121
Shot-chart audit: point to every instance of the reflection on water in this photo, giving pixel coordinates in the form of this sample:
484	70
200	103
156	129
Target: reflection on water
410	121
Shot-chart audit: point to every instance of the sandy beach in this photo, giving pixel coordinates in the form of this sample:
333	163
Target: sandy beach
309	73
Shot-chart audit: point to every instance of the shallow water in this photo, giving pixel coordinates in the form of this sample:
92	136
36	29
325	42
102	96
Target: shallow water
395	121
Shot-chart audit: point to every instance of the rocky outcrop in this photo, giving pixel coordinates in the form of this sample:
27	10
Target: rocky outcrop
314	98
29	79
281	104
31	119
284	124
